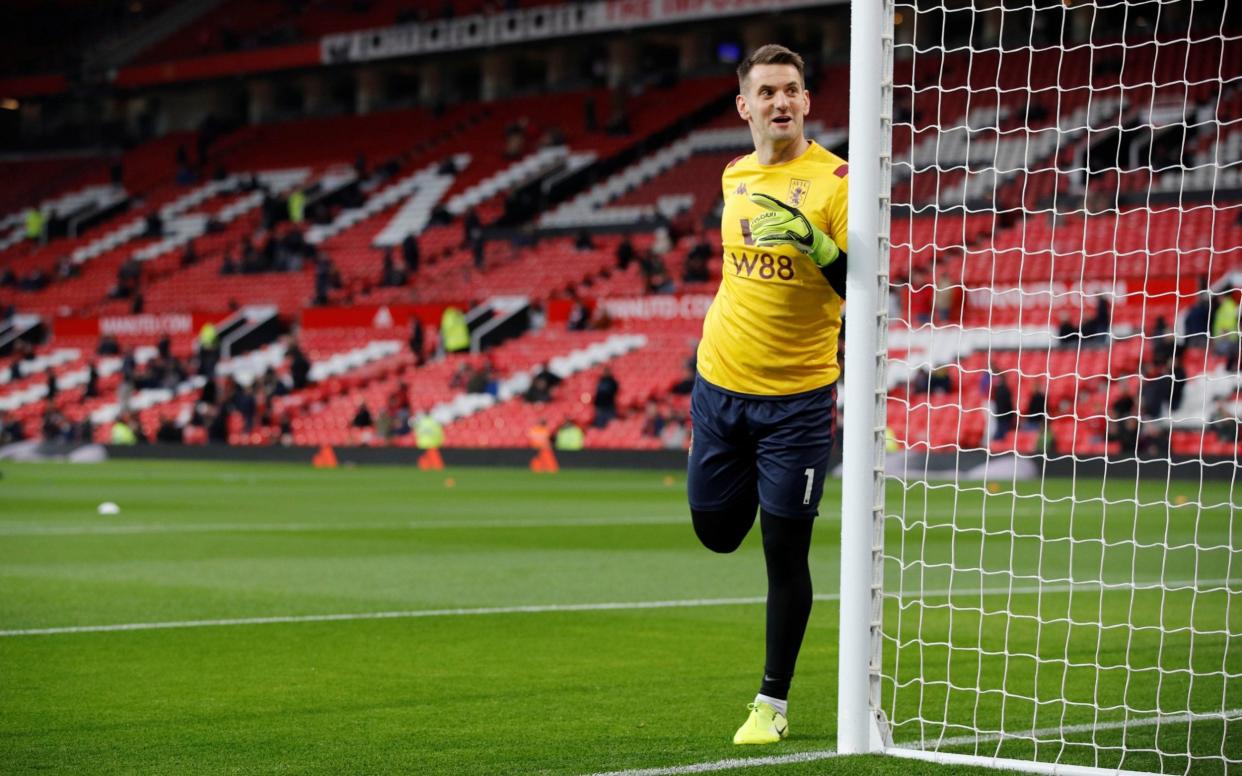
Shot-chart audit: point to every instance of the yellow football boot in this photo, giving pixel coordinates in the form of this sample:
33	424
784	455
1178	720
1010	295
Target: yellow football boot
766	725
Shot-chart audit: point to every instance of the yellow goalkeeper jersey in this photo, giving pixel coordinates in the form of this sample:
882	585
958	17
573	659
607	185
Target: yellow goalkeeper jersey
772	329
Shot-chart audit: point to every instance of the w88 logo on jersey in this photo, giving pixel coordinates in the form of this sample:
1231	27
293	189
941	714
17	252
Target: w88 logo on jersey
763	266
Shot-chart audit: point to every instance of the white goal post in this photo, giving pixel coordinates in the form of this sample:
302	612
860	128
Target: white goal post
1041	535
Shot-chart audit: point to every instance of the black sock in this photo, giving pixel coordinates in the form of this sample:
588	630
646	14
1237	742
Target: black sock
722	530
786	549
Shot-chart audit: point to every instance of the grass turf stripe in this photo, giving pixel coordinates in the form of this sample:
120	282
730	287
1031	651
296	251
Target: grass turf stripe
529	609
899	750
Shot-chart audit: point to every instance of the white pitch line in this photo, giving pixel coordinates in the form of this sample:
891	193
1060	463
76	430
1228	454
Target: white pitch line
905	750
528	609
724	765
399	615
413	525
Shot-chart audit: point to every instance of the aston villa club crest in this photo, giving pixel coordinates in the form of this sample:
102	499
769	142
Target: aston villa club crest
798	189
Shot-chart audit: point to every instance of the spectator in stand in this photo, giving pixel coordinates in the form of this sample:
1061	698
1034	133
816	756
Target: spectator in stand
168	433
695	268
940	381
1123	425
1155	390
1179	381
1097	330
52	387
154	225
541	385
483	380
454	331
229	265
653	420
65	268
299	367
605	400
478	249
515	138
362	418
108	346
1036	415
241	400
36	224
1225	334
1004	414
218	425
410	253
920	382
418	340
1067	333
390	275
10	430
125	430
208	350
128	275
655	274
189	256
570	436
537	318
91	390
1198	320
579	316
583	241
625	254
540	434
1162	340
324	280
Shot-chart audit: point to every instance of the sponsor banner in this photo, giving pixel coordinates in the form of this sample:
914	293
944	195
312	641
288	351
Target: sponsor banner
150	326
219	65
1161	292
392	316
539	23
658	308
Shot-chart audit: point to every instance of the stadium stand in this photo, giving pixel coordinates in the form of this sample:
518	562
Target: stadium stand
637	222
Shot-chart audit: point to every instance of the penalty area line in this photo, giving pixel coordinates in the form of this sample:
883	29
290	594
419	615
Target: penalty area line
917	749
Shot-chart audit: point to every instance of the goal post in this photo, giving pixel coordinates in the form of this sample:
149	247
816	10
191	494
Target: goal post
1041	533
862	495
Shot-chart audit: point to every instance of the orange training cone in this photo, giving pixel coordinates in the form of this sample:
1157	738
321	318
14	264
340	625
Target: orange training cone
431	460
325	458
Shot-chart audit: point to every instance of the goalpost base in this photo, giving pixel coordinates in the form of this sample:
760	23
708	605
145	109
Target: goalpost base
1027	766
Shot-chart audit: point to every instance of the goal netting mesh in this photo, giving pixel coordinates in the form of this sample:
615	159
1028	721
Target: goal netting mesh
1062	564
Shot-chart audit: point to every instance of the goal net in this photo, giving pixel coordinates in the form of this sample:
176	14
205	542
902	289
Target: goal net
1057	548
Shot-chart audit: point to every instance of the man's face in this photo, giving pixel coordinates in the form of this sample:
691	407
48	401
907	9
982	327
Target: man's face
774	103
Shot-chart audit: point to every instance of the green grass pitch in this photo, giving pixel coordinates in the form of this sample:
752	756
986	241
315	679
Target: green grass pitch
554	689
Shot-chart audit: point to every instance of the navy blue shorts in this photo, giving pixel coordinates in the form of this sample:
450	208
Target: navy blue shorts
776	447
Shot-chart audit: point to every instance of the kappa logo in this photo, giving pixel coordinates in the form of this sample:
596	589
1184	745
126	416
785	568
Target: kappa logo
741	190
798	190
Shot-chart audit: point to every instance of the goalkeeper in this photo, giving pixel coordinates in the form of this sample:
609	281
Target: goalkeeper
764	401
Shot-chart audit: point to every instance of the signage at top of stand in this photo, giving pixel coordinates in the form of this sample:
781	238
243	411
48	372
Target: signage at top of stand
533	24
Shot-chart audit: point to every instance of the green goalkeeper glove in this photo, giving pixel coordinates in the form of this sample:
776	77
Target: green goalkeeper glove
782	224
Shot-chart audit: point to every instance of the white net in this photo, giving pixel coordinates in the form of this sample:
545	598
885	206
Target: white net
1063	534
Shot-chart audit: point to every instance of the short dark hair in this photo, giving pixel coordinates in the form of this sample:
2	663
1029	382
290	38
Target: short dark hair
770	54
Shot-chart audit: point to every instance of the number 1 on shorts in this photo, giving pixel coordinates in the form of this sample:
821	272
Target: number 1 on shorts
810	480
